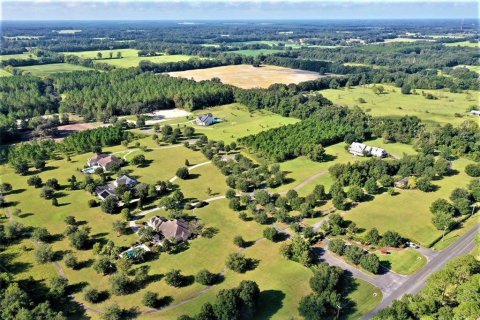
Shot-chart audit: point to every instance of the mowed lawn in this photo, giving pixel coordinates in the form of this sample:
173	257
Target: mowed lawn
236	122
409	211
18	56
248	76
129	58
391	103
365	298
406	261
47	69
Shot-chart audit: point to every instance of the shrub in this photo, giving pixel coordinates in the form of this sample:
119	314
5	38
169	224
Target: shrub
47	193
35	181
150	299
112	312
92	203
238	241
271	234
205	277
183	173
138	160
473	170
174	278
93	295
44	253
41	234
110	204
237	262
70	261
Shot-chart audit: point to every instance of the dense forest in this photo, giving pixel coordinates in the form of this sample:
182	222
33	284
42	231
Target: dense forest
328	126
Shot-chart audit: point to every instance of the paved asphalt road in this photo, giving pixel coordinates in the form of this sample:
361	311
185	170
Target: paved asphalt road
394	285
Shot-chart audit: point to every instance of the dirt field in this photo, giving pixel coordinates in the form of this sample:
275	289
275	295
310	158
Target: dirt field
68	129
247	76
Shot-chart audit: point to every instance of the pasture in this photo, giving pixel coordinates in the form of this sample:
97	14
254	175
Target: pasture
129	58
257	52
393	103
48	69
18	56
236	122
247	76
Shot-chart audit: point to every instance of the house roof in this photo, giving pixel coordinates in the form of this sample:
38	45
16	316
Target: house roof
103	159
125	180
171	228
204	117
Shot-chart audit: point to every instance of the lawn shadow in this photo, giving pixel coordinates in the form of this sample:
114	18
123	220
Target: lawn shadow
84	264
25	215
192	176
76	287
164	302
269	302
16	191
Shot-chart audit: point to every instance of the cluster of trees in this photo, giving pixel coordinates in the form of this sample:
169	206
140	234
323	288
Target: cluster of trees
194	63
285	100
328	294
299	250
462	201
97	95
451	293
356	255
171	135
85	141
233	304
25	155
402	129
328	126
452	141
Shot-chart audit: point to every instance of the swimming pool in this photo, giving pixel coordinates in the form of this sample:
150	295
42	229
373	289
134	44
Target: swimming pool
90	169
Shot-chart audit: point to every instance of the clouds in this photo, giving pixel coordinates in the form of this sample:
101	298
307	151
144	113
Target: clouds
233	10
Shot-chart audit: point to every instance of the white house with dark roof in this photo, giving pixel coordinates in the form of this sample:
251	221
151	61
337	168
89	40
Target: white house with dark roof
109	190
205	119
360	149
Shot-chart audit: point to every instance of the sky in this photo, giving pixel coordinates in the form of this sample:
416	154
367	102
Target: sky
236	9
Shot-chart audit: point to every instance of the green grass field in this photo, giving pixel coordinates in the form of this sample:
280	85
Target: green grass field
463	44
47	69
237	122
254	53
129	58
441	111
4	73
365	298
472	68
19	56
408	212
406	261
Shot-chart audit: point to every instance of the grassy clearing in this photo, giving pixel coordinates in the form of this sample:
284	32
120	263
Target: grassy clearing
47	69
408	212
365	297
129	58
463	44
247	76
254	53
355	64
237	122
4	73
18	56
472	68
405	261
394	103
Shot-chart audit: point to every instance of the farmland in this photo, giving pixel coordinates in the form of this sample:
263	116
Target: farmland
247	76
47	69
463	44
394	103
129	58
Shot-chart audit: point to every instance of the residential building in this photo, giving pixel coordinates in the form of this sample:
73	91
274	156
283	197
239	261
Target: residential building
205	119
177	229
363	150
109	190
475	112
105	161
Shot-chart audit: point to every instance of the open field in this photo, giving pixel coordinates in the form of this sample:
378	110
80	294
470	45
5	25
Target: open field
254	53
408	212
129	58
247	76
405	261
472	68
394	103
47	69
4	73
463	44
237	122
18	56
355	64
453	236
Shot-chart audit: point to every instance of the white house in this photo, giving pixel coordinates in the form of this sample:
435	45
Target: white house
475	112
205	119
109	190
360	149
